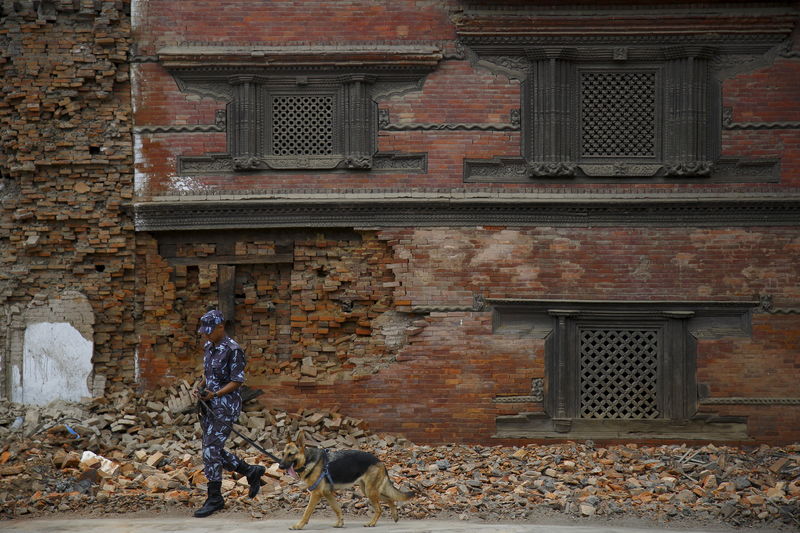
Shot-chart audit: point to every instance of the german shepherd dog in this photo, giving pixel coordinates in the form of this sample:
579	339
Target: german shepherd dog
323	474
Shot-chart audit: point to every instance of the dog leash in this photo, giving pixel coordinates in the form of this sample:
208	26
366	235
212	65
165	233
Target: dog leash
324	474
253	444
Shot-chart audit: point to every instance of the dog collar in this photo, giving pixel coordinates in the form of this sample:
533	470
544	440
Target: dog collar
325	474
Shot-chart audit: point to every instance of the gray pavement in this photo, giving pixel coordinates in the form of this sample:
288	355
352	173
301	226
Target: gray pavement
245	524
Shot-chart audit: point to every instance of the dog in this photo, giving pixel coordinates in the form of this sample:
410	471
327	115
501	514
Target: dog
323	473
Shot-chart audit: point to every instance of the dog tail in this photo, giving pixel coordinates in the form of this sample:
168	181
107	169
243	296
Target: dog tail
390	491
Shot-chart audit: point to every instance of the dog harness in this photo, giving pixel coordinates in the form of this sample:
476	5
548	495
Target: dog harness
324	474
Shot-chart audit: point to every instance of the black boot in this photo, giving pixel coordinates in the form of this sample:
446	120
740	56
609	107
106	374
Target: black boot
253	474
214	502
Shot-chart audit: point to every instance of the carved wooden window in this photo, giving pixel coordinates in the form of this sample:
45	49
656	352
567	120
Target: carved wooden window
616	368
619	115
633	366
297	107
591	117
618	97
618	374
302	123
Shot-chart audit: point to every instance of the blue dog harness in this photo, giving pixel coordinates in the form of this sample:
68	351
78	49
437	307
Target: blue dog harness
325	473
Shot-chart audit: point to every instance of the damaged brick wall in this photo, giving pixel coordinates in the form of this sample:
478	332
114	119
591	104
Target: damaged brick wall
400	345
309	310
444	381
66	168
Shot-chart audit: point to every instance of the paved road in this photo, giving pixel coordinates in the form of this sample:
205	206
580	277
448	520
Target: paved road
244	524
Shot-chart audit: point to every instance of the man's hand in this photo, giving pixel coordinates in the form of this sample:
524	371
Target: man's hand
203	394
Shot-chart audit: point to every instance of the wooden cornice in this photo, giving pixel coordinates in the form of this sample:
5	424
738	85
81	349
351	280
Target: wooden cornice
363	57
184	213
657	25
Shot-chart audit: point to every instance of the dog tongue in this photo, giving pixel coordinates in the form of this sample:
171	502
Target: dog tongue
292	472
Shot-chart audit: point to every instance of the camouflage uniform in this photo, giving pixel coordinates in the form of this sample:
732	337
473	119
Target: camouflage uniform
222	364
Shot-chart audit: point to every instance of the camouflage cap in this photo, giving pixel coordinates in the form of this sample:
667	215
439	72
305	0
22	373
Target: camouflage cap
209	321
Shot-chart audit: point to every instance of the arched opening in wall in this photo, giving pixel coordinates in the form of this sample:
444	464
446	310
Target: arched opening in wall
50	350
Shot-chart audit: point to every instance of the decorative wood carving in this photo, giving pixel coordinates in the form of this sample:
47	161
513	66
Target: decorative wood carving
384	208
324	92
572	64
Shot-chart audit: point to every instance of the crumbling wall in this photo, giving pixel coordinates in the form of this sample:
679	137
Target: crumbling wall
309	310
384	325
66	168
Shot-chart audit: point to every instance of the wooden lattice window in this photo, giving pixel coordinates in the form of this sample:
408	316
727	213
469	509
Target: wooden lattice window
616	368
303	125
618	114
619	373
620	366
649	115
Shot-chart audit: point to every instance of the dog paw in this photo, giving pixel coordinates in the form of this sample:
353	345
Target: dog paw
297	526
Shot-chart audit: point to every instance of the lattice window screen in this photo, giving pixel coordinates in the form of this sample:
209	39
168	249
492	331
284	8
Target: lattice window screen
618	373
618	114
302	125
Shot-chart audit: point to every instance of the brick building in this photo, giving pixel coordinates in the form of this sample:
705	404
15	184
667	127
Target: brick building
461	221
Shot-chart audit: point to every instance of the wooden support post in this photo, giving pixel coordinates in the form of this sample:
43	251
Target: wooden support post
227	295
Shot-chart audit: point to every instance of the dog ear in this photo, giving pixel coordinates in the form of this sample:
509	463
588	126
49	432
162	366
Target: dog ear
300	439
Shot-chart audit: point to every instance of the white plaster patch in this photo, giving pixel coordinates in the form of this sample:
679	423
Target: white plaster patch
185	184
135	93
393	327
136	371
138	9
139	177
506	245
56	363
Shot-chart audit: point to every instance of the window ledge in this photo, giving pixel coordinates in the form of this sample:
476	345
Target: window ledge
541	426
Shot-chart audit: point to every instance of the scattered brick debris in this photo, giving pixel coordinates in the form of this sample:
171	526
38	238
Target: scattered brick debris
129	451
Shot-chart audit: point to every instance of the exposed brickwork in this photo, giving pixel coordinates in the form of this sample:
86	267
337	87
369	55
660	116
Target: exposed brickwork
435	376
452	364
66	168
456	366
323	316
332	318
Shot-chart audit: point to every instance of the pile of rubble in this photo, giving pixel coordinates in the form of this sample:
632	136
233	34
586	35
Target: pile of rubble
129	452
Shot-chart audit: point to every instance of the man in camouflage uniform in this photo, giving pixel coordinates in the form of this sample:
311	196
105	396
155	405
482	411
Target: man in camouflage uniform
223	364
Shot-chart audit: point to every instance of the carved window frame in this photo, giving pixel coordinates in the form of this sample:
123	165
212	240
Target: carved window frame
694	62
688	106
680	325
245	77
675	384
250	115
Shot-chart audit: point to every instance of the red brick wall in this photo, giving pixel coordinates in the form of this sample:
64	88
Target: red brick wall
456	366
440	384
766	95
457	92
